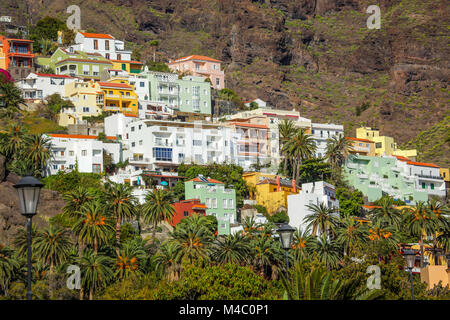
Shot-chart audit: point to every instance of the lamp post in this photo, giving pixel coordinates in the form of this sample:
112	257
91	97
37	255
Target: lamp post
286	233
410	257
28	190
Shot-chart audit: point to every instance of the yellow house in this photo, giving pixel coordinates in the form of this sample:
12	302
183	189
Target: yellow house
87	99
129	66
252	178
119	96
272	193
384	145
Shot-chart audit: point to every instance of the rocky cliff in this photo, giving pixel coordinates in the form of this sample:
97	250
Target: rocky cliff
317	56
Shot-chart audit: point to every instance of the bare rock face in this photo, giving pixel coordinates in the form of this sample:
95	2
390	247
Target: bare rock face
11	219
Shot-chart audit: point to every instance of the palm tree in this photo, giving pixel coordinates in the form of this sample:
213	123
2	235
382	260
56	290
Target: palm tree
8	265
386	214
130	260
158	207
75	199
37	150
317	284
328	251
350	233
167	259
92	228
337	150
53	246
300	147
419	220
287	131
193	237
12	98
301	241
119	201
266	252
230	249
322	219
95	272
12	143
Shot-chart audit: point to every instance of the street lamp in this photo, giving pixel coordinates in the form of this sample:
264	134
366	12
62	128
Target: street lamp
28	190
410	257
286	233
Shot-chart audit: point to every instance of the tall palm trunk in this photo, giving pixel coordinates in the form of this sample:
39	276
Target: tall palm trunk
118	234
91	293
154	233
421	251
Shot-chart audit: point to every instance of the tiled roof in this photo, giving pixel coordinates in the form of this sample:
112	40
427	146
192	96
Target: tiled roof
77	136
53	75
209	180
84	60
402	158
423	164
195	57
127	61
97	35
114	85
358	139
274	182
250	125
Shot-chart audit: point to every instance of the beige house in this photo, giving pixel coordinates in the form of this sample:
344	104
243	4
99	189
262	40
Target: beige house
201	66
87	98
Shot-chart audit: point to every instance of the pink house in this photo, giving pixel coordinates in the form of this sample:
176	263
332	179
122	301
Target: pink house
201	66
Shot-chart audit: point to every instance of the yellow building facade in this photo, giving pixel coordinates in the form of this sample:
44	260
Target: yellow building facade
272	193
87	99
384	145
119	96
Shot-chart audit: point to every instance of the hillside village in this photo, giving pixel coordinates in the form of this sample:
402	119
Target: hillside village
168	130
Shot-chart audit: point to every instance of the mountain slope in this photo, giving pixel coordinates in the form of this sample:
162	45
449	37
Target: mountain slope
317	56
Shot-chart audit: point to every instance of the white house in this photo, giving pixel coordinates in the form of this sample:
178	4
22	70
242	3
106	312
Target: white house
311	193
37	86
259	102
69	150
104	44
321	132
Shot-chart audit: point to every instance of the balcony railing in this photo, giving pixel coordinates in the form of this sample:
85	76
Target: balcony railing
428	176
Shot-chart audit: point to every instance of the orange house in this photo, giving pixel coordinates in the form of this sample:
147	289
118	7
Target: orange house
16	56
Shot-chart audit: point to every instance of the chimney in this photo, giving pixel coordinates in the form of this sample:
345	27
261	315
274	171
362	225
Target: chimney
278	184
294	186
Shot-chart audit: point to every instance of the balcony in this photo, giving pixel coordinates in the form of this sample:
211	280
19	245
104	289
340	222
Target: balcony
163	144
141	160
112	96
428	177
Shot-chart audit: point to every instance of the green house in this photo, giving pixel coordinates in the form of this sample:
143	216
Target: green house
77	64
221	202
189	94
378	176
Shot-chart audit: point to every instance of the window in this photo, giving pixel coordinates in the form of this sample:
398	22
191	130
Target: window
196	91
230	204
162	154
85	109
140	142
378	145
62	153
119	56
71	153
132	129
424	185
214	203
217	82
432	186
224	203
107	56
197	142
180	157
96	168
208	202
185	213
107	46
84	153
142	84
95	44
133	144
